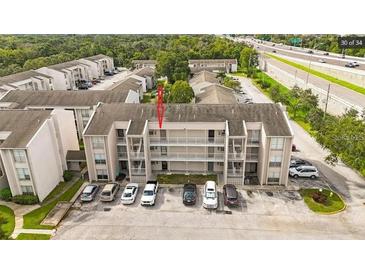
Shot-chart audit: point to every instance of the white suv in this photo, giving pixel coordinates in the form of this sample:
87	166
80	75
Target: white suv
149	193
304	171
210	195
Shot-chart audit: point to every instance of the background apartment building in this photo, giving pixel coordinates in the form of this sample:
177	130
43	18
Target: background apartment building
98	64
236	142
138	64
213	65
27	80
33	148
81	103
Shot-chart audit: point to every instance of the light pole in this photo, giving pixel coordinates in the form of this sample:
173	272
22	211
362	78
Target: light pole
327	97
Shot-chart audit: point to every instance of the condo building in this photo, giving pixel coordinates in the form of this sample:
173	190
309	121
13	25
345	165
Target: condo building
33	149
242	144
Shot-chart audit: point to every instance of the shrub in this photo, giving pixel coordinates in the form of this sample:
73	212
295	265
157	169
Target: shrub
25	199
5	194
67	176
320	198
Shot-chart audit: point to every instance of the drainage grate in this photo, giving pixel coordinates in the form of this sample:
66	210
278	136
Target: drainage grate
107	209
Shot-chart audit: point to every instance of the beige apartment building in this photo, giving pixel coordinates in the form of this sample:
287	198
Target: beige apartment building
138	64
242	144
81	103
213	65
33	148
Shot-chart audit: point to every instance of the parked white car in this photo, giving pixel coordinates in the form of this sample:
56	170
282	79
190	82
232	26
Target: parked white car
129	194
149	193
304	171
210	195
109	192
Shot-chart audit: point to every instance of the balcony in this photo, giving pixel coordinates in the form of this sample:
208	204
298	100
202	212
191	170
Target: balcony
121	141
138	171
236	156
136	155
187	141
197	157
275	164
235	172
122	155
253	142
253	157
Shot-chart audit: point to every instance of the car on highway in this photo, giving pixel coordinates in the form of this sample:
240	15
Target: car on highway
299	162
129	194
230	195
321	61
149	193
274	51
189	194
355	63
89	193
210	195
350	65
304	171
109	192
326	53
310	51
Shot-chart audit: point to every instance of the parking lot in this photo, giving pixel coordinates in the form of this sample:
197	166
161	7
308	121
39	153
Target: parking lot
260	215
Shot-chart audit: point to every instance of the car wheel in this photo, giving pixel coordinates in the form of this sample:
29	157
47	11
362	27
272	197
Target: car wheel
313	177
296	176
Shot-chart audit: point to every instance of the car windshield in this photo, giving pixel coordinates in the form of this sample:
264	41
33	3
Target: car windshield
210	194
298	168
148	193
188	195
127	195
106	193
88	190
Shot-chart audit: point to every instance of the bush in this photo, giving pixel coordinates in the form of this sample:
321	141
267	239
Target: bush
5	194
320	198
25	199
67	176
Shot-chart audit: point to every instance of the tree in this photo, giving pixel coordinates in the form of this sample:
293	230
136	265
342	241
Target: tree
294	106
181	92
230	83
221	76
173	65
275	93
249	60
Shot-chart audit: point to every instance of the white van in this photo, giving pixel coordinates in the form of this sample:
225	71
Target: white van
304	171
109	192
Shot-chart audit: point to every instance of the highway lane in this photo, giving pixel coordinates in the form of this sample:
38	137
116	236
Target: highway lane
341	98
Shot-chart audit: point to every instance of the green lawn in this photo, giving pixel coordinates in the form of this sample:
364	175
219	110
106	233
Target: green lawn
148	98
33	219
8	214
320	74
29	236
334	204
56	191
198	179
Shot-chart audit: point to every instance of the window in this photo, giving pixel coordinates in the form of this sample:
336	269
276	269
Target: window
277	143
275	161
120	132
99	158
85	113
98	142
23	174
27	190
19	156
273	177
102	174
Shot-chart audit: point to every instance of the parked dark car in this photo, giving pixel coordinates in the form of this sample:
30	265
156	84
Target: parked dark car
299	162
83	86
189	194
108	73
310	51
274	51
326	53
89	192
230	195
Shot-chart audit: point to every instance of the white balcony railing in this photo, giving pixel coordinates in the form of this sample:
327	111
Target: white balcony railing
122	155
252	157
155	156
136	155
186	141
253	142
237	155
235	172
121	140
138	171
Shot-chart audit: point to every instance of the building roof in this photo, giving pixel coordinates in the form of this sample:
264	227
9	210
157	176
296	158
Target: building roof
152	62
127	84
66	65
21	76
146	71
271	115
20	99
22	125
76	156
204	76
96	57
216	94
205	61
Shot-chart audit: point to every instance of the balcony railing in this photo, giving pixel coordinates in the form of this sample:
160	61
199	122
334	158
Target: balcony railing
187	157
275	164
187	141
122	155
252	157
121	140
237	155
136	155
253	142
235	172
98	145
138	171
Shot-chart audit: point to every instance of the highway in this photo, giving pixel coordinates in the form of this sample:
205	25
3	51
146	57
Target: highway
303	54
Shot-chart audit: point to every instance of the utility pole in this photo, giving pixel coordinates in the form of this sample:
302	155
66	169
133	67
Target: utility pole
309	67
327	97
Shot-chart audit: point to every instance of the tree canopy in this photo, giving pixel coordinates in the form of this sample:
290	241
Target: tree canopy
181	92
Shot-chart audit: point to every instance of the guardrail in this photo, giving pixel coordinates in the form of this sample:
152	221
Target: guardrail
187	140
188	156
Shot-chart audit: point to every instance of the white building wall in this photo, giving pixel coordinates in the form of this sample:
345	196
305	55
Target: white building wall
59	80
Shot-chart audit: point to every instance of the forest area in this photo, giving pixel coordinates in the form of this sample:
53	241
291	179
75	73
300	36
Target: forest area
24	52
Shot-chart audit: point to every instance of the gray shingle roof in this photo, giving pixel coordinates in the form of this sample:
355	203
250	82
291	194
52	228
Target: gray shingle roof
216	94
127	84
66	65
208	61
22	99
204	76
270	115
96	57
146	71
22	124
76	155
